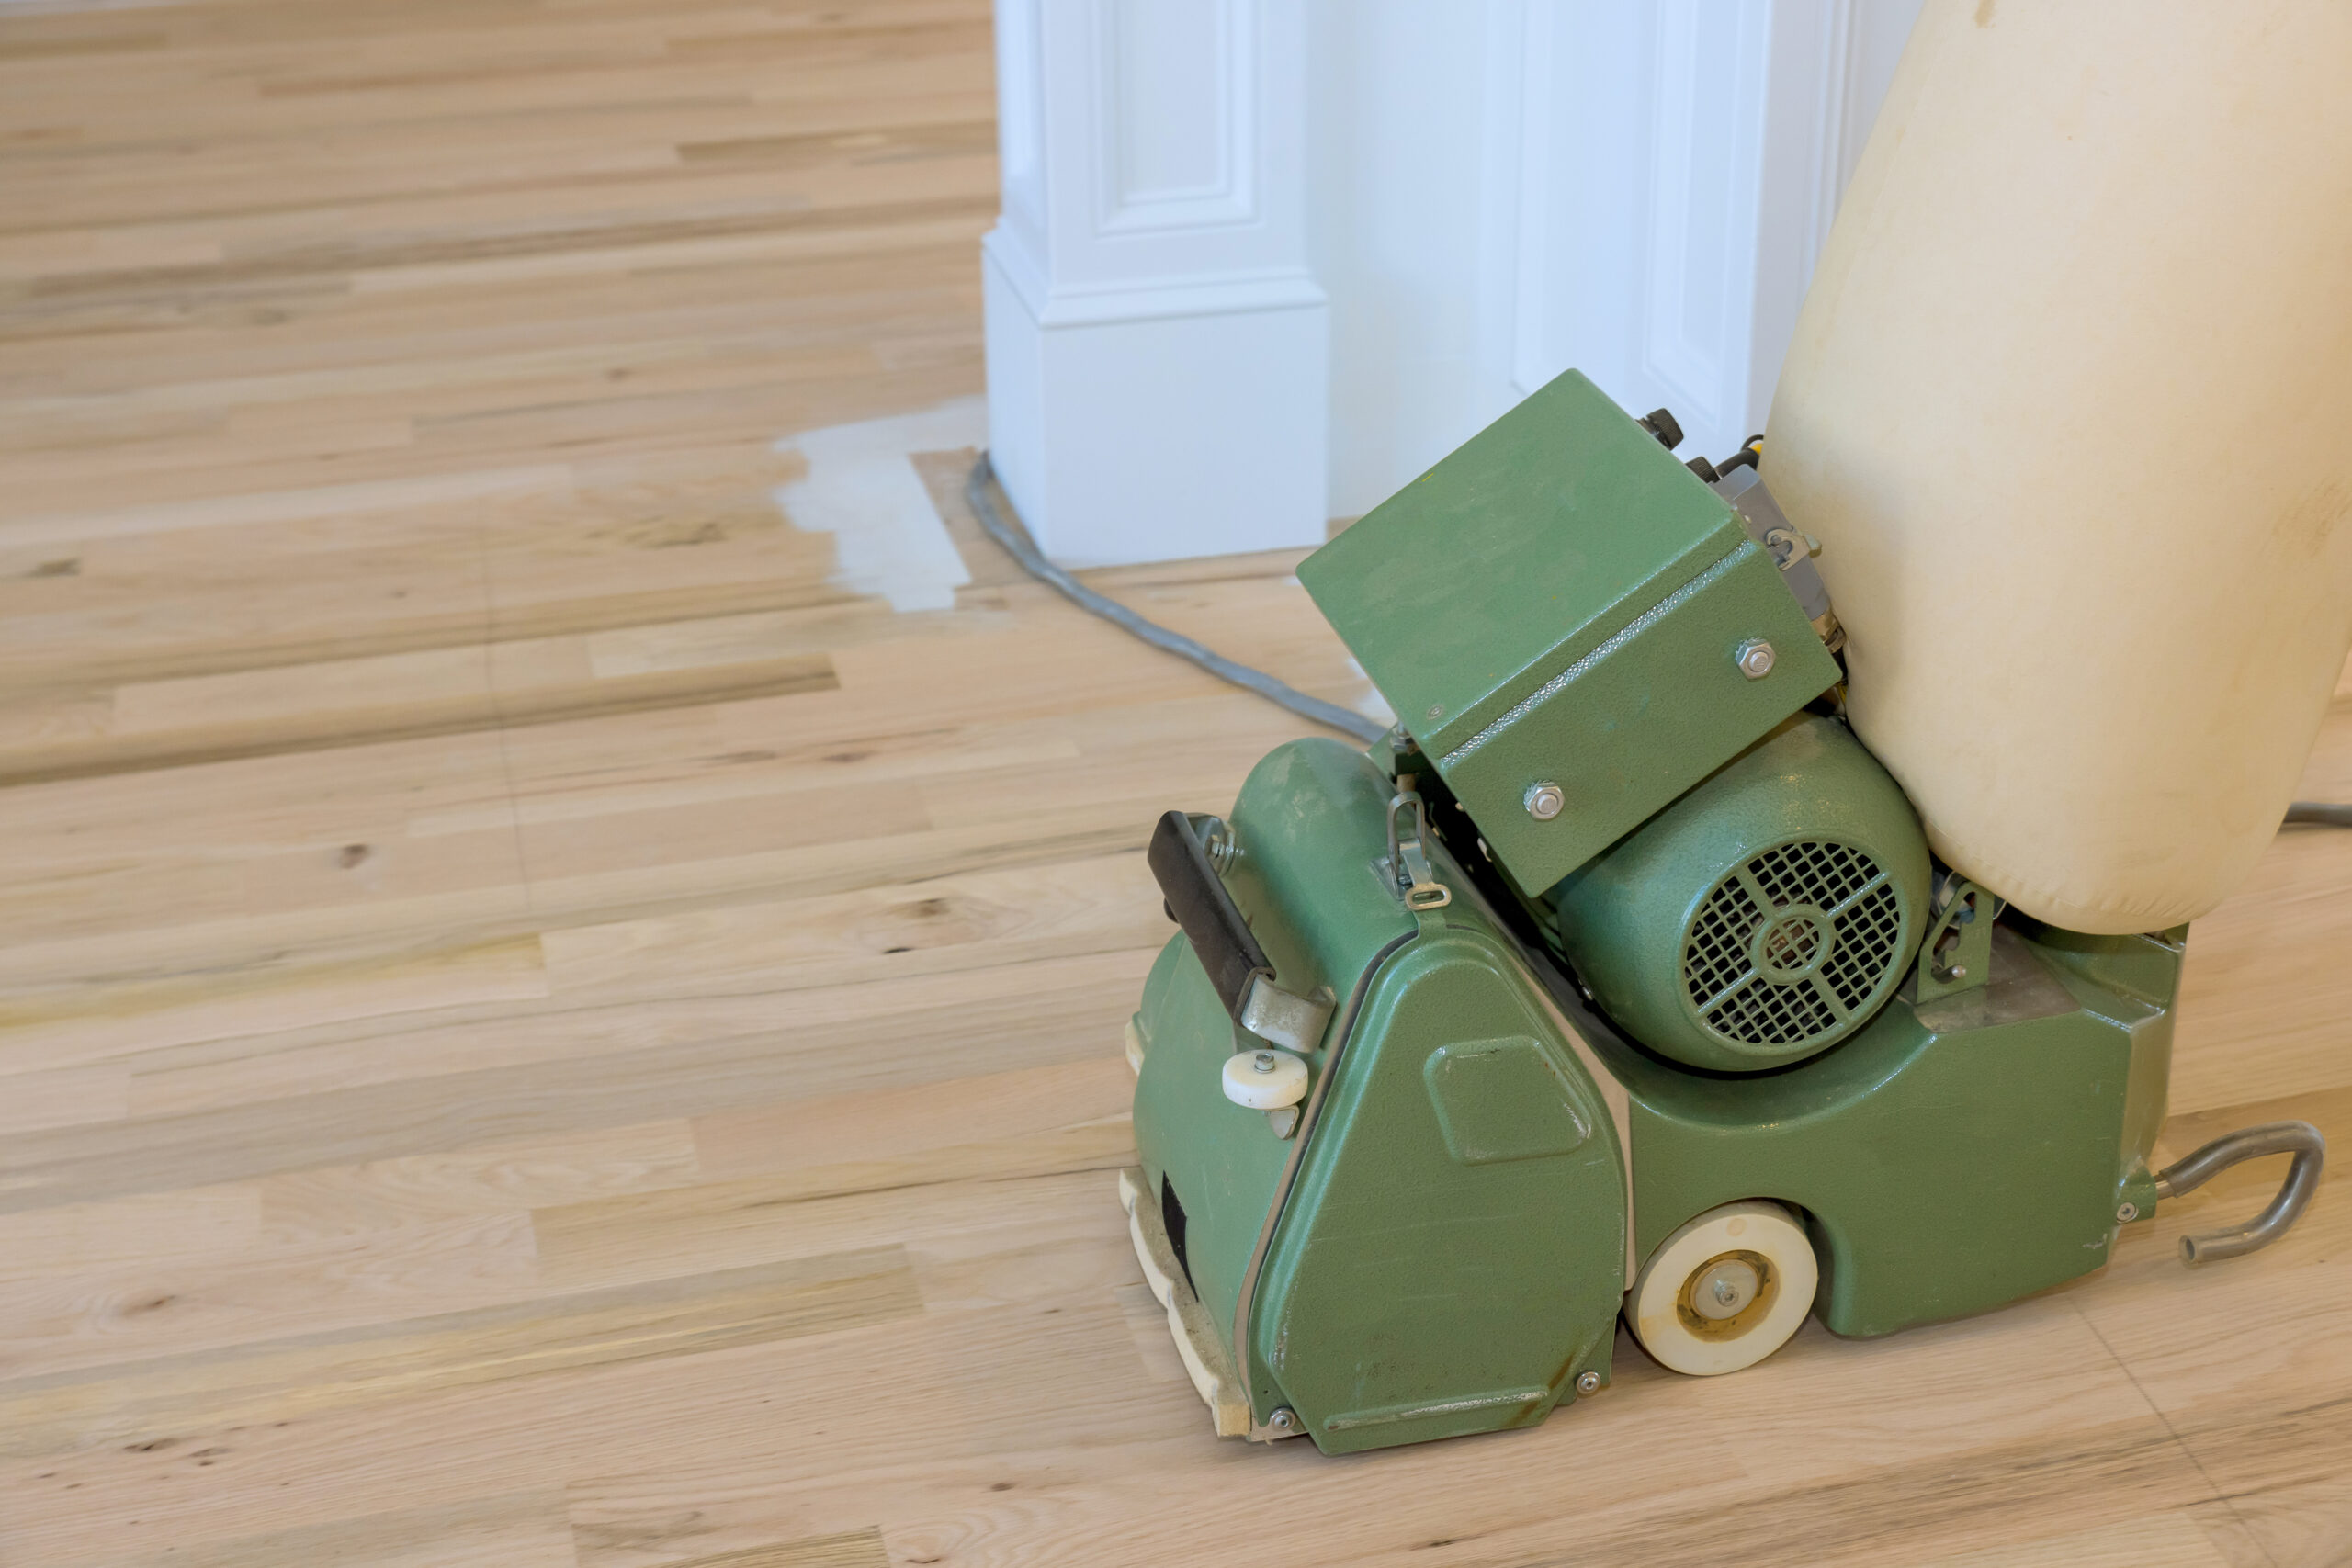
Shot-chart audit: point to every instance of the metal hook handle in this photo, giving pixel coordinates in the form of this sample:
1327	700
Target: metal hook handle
2300	1139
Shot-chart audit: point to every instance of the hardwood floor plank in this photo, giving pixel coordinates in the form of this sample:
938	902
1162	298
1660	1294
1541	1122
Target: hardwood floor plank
1014	1016
150	1402
163	1303
215	1002
852	1549
526	1530
468	714
571	1167
63	1096
93	1238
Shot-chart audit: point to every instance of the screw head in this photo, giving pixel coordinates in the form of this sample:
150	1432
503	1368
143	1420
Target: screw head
1284	1419
1437	710
1755	657
1587	1382
1544	801
1263	1062
2127	1213
1723	1291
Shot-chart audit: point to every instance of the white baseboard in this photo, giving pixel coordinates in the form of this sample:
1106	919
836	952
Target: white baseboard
1142	423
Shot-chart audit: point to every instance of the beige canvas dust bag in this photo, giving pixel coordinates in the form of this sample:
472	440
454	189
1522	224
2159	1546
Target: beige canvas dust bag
2070	407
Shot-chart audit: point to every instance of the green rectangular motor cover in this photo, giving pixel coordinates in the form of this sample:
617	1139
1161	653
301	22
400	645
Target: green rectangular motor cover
1561	602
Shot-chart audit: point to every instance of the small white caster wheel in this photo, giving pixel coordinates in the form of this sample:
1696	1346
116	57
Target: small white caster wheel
1264	1079
1725	1291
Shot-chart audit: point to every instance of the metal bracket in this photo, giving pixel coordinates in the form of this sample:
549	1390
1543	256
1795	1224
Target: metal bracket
1293	1022
2300	1139
1409	859
1958	954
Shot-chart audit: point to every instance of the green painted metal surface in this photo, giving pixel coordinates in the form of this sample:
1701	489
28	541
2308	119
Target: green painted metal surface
1949	1158
1219	1160
1453	1254
1644	923
1559	601
2133	980
1309	826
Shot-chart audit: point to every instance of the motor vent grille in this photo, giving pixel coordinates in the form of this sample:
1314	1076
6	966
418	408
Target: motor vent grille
1795	947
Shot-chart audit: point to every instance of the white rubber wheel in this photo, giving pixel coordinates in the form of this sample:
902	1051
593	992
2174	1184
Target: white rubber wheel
1725	1291
1265	1080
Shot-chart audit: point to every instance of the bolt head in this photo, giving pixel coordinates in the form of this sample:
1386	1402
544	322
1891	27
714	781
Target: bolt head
1263	1062
1283	1420
1587	1382
2127	1213
1544	801
1723	1291
1755	657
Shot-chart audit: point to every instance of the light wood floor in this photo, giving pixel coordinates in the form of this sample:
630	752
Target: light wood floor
536	1032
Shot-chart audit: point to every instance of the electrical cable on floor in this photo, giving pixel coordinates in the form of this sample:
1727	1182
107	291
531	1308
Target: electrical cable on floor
1016	539
979	488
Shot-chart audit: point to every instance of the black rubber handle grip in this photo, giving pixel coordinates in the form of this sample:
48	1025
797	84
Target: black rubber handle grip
1195	896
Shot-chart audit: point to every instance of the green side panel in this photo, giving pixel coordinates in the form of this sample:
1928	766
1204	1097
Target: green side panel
1310	824
2133	980
1948	1158
1804	832
1559	601
1222	1162
1453	1254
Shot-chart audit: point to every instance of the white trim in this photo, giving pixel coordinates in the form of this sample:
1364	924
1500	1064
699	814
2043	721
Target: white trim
1668	175
1530	190
1837	133
1142	300
1158	350
1230	195
1705	195
1021	133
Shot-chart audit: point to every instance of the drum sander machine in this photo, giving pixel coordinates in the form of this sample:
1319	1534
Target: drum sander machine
1618	978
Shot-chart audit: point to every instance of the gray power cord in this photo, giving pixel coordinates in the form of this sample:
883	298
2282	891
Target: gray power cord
980	489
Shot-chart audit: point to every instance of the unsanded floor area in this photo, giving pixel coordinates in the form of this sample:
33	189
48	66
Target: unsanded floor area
541	1023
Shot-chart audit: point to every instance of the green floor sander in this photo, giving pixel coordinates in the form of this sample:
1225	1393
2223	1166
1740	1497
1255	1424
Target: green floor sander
1618	978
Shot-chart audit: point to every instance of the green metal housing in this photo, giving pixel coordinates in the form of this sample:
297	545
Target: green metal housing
1310	824
1950	1157
1763	917
1561	602
1518	1096
1450	1253
1444	1247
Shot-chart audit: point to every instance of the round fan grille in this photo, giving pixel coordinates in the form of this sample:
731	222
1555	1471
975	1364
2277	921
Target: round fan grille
1795	947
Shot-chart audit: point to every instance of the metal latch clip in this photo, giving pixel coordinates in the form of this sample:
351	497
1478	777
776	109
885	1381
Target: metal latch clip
1409	857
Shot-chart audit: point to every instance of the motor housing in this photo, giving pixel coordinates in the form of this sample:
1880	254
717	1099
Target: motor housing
1762	918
